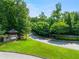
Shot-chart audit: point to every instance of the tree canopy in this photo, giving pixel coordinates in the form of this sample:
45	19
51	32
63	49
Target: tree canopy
14	15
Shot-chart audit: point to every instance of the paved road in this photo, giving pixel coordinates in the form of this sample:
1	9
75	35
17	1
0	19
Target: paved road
7	55
61	43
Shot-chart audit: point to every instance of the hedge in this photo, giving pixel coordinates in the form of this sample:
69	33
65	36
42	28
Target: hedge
66	37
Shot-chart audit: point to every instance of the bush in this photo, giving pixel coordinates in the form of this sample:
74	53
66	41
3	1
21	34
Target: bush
59	28
76	29
66	37
41	28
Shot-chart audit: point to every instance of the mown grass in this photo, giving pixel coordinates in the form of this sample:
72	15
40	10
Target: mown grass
39	49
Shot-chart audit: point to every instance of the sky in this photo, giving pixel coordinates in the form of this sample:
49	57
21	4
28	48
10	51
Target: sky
47	6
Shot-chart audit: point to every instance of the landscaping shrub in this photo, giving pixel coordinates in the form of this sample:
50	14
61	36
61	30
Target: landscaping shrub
41	28
66	37
59	28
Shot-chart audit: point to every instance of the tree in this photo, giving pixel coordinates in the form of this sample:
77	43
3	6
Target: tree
75	17
3	19
42	16
34	19
76	28
22	17
14	15
75	22
56	13
2	31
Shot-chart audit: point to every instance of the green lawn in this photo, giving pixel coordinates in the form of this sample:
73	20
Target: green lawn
39	49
